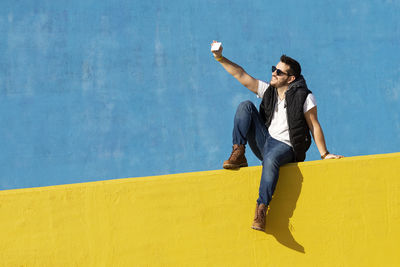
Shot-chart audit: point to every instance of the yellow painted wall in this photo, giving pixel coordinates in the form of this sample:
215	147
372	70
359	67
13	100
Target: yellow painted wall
325	213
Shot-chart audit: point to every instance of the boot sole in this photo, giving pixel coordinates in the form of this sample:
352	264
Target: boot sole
233	166
258	228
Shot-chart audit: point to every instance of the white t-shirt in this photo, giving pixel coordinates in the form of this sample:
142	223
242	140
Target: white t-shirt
279	128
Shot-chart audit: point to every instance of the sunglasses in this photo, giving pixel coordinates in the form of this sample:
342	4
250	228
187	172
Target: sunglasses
278	71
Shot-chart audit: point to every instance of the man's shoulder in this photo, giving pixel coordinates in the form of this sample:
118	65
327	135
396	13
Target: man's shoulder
302	90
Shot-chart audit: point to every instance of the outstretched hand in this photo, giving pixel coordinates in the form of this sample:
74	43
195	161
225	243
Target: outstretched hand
333	156
218	53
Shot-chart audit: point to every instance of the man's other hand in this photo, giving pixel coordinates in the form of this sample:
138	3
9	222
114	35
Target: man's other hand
333	156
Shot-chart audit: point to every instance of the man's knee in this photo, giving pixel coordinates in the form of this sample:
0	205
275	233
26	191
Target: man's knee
246	106
270	163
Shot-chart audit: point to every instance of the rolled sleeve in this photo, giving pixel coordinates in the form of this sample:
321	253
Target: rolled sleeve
262	87
309	103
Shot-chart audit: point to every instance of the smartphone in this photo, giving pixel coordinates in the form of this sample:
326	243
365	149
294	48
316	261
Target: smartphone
216	46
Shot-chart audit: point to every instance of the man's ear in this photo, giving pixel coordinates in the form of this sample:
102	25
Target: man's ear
291	78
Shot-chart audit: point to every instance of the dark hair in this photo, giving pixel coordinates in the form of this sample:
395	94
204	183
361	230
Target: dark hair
295	68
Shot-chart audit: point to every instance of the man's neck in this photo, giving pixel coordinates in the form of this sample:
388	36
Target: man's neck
282	91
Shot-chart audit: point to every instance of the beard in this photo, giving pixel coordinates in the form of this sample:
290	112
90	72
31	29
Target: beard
275	82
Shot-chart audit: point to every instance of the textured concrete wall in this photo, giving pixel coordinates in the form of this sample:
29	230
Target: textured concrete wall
93	90
324	213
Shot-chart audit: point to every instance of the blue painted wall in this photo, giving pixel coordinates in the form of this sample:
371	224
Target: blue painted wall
93	90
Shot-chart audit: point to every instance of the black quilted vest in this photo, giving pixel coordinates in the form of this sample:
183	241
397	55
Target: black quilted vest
299	132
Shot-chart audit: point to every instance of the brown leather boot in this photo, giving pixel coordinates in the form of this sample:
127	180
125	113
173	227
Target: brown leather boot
237	158
259	217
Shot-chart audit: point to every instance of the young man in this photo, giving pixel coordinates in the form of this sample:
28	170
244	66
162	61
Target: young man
280	132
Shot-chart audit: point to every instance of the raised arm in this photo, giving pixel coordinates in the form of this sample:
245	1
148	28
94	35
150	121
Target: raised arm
316	131
236	71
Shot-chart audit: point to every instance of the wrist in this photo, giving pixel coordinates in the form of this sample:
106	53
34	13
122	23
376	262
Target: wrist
219	58
325	154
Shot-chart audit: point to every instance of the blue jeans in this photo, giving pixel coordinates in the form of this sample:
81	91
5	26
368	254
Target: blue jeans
249	128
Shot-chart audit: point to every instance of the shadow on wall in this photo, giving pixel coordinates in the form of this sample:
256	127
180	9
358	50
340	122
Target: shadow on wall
281	209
